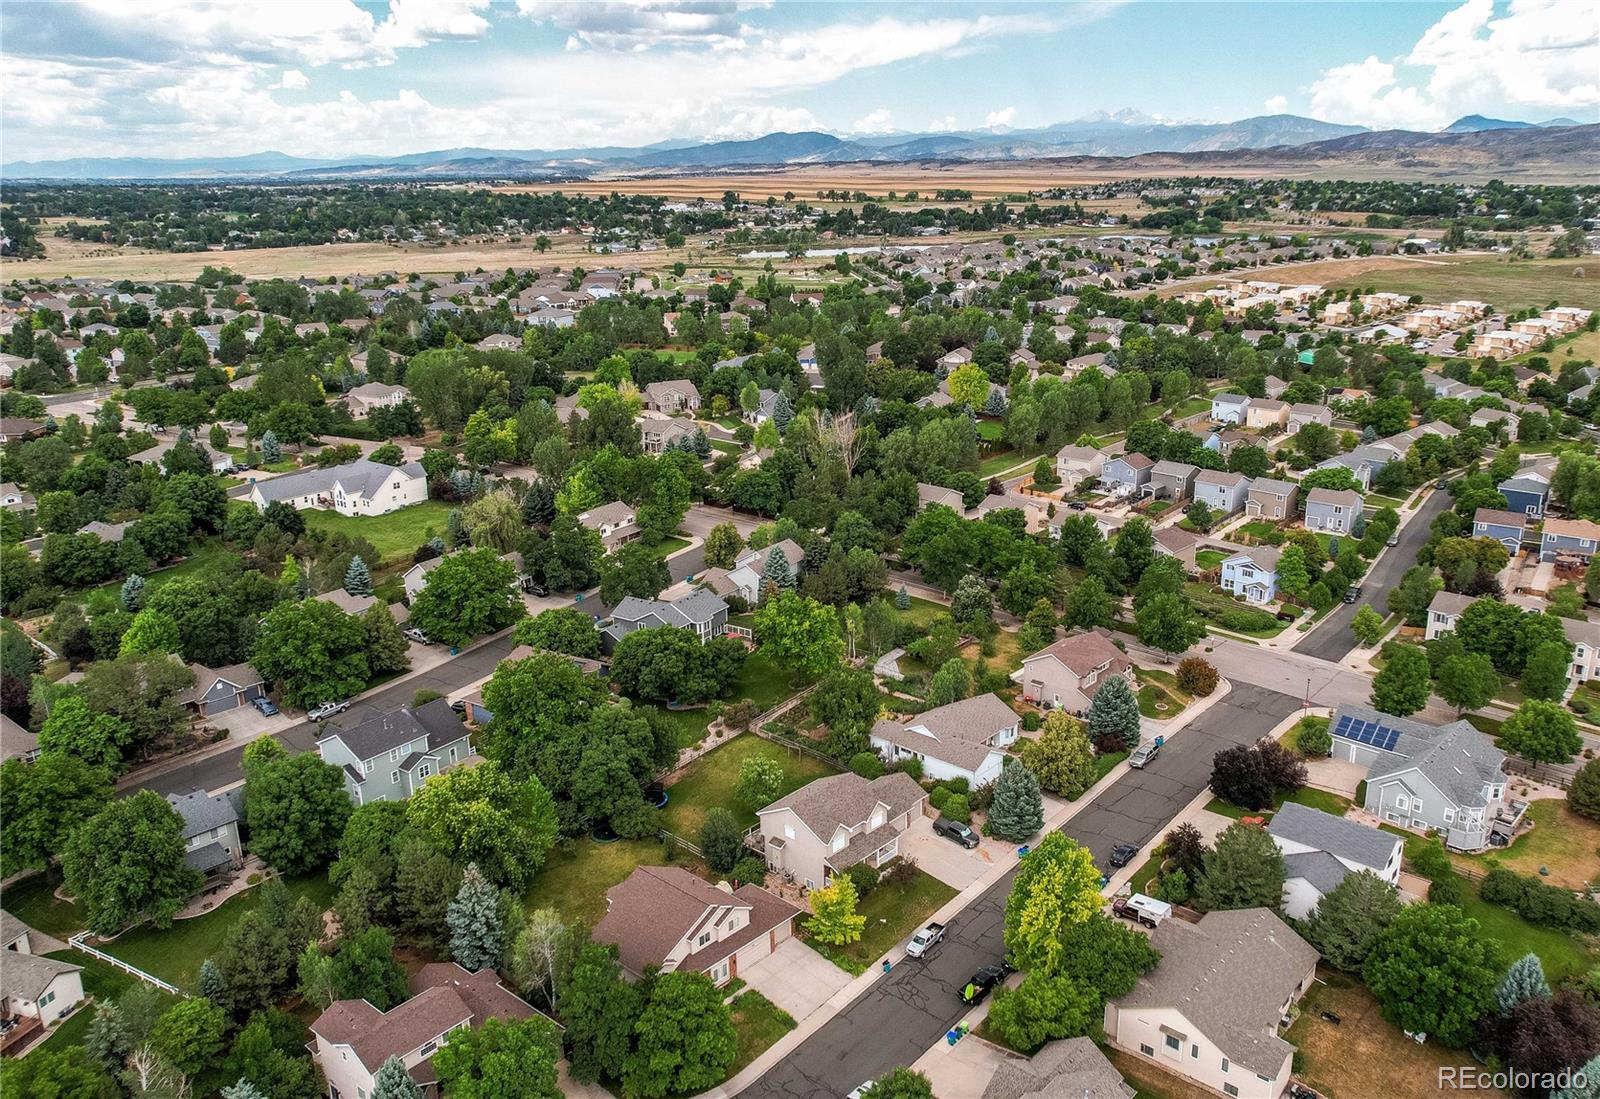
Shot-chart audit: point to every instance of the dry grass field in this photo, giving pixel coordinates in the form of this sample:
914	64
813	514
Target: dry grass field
1504	283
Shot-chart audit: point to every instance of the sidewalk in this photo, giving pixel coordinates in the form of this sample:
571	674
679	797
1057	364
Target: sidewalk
846	995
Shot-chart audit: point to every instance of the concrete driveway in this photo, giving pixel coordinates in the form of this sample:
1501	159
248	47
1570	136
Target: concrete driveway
1337	776
947	860
796	978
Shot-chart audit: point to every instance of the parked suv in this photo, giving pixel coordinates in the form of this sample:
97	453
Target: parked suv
265	705
417	635
960	833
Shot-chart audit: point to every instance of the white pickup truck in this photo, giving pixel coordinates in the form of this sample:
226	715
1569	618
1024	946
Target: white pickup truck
924	940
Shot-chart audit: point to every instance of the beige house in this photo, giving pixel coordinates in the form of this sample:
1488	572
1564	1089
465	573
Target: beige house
33	989
1076	464
827	826
679	395
364	398
665	917
929	495
1212	1009
1270	499
614	522
1266	414
965	739
1066	674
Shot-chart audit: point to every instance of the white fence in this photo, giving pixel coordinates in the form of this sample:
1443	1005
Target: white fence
77	943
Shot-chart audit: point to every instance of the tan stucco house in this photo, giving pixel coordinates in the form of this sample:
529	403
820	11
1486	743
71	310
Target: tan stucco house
827	826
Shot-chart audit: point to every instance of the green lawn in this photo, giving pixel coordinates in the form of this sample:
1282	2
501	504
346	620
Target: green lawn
1159	696
33	901
668	546
394	535
1562	954
991	430
103	983
1560	842
175	954
208	554
893	912
1259	528
1206	560
757	1024
726	448
760	681
577	873
1312	798
709	782
922	612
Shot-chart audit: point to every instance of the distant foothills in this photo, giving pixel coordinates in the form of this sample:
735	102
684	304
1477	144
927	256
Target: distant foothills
1120	134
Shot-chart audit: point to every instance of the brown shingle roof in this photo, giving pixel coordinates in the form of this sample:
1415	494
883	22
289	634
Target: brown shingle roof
847	800
656	906
1082	653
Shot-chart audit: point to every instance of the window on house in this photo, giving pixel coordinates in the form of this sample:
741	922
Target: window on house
1224	1064
1148	1051
47	999
705	937
427	1048
394	754
1229	1089
394	777
366	767
1174	1044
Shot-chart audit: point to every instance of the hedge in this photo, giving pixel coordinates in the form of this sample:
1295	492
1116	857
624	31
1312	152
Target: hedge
1539	903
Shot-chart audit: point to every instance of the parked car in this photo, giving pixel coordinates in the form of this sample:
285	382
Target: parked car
1122	854
960	833
1077	505
923	940
265	705
1144	753
414	634
1352	593
981	983
323	711
1393	539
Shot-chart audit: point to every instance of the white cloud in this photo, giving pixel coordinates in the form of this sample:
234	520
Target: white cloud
880	121
637	25
1277	104
1541	57
292	79
1003	117
414	23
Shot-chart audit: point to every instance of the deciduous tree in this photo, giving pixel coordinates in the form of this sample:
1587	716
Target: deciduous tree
1402	686
1543	732
1062	759
126	861
482	815
502	1059
469	594
833	913
1433	972
1057	887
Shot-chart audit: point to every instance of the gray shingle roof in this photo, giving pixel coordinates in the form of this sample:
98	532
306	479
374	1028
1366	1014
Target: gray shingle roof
827	804
207	858
26	976
360	477
1339	836
1230	975
375	736
957	733
1457	758
201	812
699	605
1070	1069
1321	869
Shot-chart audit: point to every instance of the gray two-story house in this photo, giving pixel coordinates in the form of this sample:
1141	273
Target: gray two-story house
1126	474
1332	511
211	831
703	613
389	757
1171	480
1221	491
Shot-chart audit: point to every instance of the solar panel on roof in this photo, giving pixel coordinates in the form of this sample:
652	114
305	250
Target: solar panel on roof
1342	728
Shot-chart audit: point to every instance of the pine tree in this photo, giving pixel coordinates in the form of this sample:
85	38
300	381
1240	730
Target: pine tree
394	1082
387	650
271	449
995	405
1525	980
702	444
244	1089
1018	809
132	595
212	985
782	409
779	574
358	578
455	528
1115	713
1585	1083
902	599
477	931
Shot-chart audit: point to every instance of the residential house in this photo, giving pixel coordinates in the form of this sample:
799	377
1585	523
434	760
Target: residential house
211	831
1573	540
359	605
1126	474
361	487
663	917
1073	1068
679	395
218	690
749	573
1332	511
1448	778
1076	464
415	578
829	825
1035	509
1363	462
390	756
1221	491
364	398
1270	499
499	341
1068	673
1212	1008
16	742
352	1039
659	433
1320	850
1229	408
1179	544
15	427
930	495
1253	574
1275	387
965	739
1446	608
12	498
1301	414
1505	527
1528	492
766	407
1585	638
34	988
615	522
1171	480
1266	414
702	612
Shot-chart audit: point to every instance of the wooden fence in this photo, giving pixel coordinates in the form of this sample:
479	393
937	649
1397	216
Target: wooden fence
673	837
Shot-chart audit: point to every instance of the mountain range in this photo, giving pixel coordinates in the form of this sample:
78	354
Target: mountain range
1120	134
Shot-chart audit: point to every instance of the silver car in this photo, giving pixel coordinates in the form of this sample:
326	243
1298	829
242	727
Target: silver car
323	711
1143	754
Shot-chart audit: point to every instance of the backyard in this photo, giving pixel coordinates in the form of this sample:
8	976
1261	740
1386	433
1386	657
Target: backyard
175	954
1561	842
759	680
893	911
1309	796
394	535
101	983
33	901
709	781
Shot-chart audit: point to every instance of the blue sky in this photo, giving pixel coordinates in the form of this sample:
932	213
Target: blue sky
336	77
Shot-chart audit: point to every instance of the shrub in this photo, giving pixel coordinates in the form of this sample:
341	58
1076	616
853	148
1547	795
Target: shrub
938	797
980	799
739	715
1584	797
1313	740
910	766
1578	705
1030	721
865	878
1196	676
957	809
424	696
750	871
1539	903
1239	618
954	785
1446	890
866	764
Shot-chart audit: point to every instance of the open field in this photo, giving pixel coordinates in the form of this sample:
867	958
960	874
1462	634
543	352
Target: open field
394	535
1494	279
1353	270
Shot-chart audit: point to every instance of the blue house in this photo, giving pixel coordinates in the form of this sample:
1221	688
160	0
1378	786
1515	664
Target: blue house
1505	527
1575	540
1526	493
1252	574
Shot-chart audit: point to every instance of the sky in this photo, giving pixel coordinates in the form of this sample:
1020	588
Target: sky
332	78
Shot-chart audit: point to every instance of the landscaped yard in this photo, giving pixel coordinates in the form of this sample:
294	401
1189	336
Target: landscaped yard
394	535
33	901
1159	696
668	546
709	782
1258	529
893	912
1206	560
208	554
922	612
760	681
1309	796
1561	841
175	954
757	1023
102	982
1562	954
577	873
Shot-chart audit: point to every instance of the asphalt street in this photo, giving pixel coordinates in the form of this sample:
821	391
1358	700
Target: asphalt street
1332	639
906	1012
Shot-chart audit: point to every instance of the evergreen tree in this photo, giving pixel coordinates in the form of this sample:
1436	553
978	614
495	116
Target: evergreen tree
212	986
1350	918
455	529
782	410
271	450
702	444
394	1082
1525	980
1243	870
1018	809
244	1089
132	595
902	599
1115	713
358	578
387	650
995	405
477	930
1585	1083
779	574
